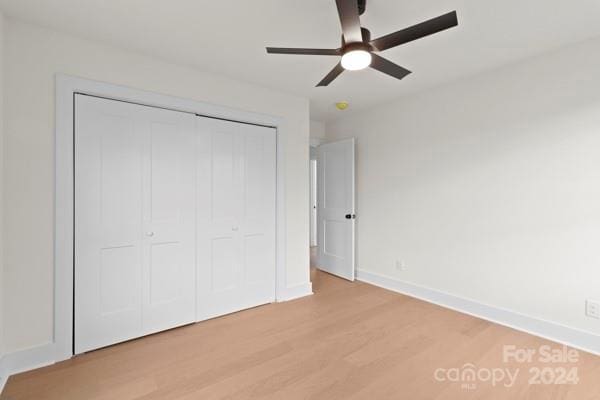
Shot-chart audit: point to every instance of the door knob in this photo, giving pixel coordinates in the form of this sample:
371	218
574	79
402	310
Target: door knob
149	234
234	228
350	216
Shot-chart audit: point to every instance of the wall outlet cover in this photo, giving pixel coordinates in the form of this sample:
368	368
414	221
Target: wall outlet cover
592	309
400	265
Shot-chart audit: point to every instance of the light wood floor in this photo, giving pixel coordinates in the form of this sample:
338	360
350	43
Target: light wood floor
348	341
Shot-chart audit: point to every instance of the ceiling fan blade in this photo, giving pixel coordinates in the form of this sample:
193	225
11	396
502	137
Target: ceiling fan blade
314	52
349	17
334	73
387	67
415	32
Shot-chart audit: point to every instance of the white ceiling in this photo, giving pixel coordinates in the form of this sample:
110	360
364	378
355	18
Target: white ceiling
229	36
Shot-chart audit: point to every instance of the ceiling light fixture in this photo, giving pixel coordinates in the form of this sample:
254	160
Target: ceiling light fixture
355	60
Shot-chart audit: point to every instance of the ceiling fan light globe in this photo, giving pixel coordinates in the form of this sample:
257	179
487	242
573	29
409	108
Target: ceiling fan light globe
355	60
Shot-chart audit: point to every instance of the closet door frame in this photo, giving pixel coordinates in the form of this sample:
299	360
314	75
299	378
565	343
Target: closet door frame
66	88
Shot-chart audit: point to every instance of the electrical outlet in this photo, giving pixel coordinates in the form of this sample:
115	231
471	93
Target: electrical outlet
592	309
400	266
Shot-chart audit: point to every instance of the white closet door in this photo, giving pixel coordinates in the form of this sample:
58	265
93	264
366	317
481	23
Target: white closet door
169	190
236	216
108	223
134	221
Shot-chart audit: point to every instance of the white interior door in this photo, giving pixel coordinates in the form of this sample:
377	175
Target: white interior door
336	214
236	216
134	221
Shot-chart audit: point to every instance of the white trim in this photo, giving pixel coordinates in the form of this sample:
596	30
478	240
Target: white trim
3	374
296	291
585	341
28	359
66	86
25	360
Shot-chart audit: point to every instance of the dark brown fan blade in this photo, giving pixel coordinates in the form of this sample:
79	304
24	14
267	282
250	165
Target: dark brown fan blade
334	73
415	32
388	67
314	52
348	11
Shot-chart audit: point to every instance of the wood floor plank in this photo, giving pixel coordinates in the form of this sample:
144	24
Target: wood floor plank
348	341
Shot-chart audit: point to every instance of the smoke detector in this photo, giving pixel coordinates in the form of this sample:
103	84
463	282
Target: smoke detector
342	105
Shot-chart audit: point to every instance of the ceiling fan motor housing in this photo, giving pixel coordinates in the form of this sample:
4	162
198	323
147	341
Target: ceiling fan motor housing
362	6
357	46
366	36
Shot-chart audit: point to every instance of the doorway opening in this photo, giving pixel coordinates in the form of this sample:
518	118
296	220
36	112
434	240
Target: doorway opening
313	204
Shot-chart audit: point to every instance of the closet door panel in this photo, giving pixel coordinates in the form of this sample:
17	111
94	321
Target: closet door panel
259	212
236	217
108	200
169	219
219	267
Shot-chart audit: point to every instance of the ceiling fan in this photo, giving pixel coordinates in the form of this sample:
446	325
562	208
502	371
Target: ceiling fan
358	50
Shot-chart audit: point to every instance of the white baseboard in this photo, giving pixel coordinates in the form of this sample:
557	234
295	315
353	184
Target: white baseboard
296	291
26	360
582	340
3	375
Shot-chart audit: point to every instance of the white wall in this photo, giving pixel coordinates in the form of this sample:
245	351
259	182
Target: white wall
489	188
32	57
317	129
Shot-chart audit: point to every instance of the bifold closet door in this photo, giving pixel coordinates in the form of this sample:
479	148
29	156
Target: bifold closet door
134	221
236	216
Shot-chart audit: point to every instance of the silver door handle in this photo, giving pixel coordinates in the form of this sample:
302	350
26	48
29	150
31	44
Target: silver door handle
235	228
149	234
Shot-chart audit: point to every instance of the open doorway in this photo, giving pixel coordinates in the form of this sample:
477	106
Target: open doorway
313	208
313	203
